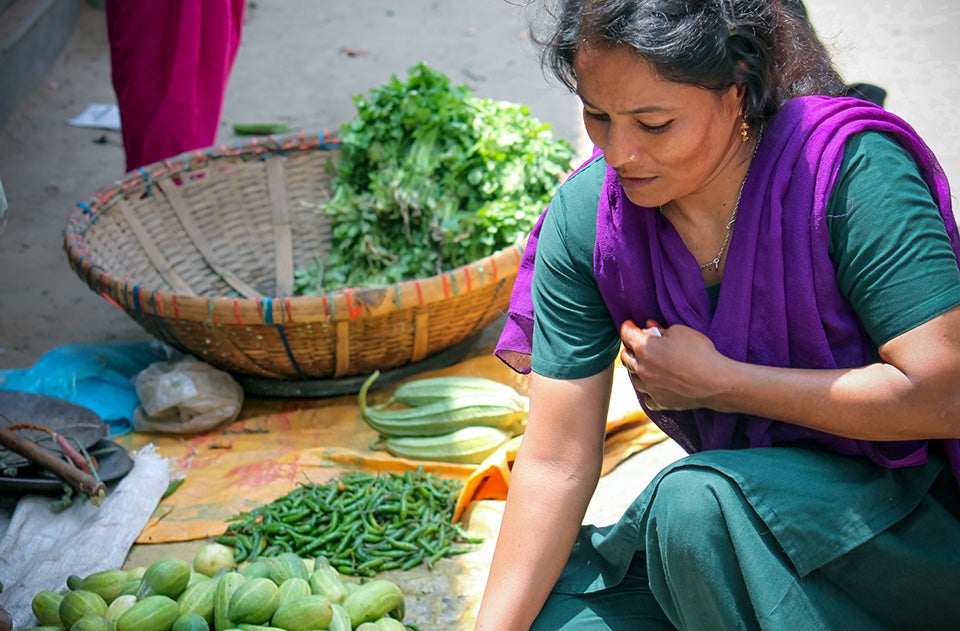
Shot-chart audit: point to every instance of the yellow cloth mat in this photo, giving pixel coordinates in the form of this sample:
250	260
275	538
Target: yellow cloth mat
277	444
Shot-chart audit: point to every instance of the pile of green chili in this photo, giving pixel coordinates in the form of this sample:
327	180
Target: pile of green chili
362	523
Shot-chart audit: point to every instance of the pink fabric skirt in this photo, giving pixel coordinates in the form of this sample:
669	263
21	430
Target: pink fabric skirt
170	62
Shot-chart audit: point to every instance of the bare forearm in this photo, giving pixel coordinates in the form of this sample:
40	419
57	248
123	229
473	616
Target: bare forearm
540	523
876	402
552	480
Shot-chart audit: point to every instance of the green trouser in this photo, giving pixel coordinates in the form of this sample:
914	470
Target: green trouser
704	558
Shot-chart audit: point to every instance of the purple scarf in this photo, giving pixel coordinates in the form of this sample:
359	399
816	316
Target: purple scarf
779	304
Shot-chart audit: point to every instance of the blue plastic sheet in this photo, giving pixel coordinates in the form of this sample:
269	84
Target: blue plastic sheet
97	376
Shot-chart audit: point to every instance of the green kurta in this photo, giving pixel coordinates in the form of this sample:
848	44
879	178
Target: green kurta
807	538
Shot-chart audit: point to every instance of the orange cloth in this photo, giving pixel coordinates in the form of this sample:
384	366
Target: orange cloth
277	444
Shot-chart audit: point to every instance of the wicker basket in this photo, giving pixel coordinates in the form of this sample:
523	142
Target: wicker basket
201	251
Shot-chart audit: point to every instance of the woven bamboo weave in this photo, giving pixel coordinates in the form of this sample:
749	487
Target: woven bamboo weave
201	251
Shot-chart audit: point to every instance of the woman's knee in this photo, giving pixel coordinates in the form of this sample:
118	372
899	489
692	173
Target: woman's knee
689	498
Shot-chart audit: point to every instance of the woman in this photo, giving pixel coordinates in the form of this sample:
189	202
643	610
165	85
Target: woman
781	268
170	61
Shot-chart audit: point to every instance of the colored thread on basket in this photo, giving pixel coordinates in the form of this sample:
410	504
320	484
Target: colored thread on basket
236	311
210	318
325	142
397	296
136	298
111	300
289	351
493	264
169	335
466	275
267	310
353	312
416	284
146	181
446	287
289	306
84	262
176	307
158	303
85	208
326	306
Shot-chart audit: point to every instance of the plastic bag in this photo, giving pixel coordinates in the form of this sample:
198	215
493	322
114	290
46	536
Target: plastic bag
97	376
186	396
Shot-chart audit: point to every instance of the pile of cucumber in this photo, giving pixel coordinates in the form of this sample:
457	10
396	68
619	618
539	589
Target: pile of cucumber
281	593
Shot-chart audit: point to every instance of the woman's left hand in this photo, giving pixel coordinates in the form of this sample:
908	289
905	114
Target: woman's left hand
677	370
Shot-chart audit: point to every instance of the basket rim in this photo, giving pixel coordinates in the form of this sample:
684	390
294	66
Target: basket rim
352	303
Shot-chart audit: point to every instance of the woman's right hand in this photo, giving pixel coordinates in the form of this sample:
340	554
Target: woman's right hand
551	483
676	368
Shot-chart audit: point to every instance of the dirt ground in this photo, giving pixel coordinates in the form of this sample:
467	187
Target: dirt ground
301	62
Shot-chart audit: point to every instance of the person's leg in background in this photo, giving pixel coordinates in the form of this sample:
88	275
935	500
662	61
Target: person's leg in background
170	63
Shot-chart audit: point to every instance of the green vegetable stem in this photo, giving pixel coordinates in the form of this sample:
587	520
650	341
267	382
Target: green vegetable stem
430	178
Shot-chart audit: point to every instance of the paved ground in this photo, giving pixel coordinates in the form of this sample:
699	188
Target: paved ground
300	63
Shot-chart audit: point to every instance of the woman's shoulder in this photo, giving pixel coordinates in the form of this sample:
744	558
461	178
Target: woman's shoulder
877	145
573	211
585	182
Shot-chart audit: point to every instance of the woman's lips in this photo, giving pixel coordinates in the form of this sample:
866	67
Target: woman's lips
635	182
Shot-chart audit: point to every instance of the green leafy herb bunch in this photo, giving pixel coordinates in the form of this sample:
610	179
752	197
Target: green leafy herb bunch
430	178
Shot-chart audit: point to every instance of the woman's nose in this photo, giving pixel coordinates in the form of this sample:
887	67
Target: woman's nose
620	151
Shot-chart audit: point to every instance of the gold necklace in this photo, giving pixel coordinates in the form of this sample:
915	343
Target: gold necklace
715	263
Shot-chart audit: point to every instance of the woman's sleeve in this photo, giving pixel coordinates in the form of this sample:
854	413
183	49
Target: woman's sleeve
888	241
573	334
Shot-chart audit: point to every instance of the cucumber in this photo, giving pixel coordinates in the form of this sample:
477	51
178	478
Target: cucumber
258	568
292	589
226	586
190	622
166	577
286	565
340	620
117	608
153	613
374	600
259	129
46	607
304	614
199	599
108	583
326	581
91	623
80	603
254	601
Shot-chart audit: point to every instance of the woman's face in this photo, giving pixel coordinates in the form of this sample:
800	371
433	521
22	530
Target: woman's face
667	141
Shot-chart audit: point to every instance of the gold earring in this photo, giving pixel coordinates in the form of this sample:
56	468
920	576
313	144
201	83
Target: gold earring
744	130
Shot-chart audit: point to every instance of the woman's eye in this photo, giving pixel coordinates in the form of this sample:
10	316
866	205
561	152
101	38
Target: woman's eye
597	116
655	129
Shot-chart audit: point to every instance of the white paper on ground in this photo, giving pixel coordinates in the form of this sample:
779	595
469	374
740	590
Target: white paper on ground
98	116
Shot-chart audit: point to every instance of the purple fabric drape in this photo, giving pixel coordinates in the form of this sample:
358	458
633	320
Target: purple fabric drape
779	304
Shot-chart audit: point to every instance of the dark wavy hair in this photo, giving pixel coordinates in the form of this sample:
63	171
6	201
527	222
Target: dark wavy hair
768	46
